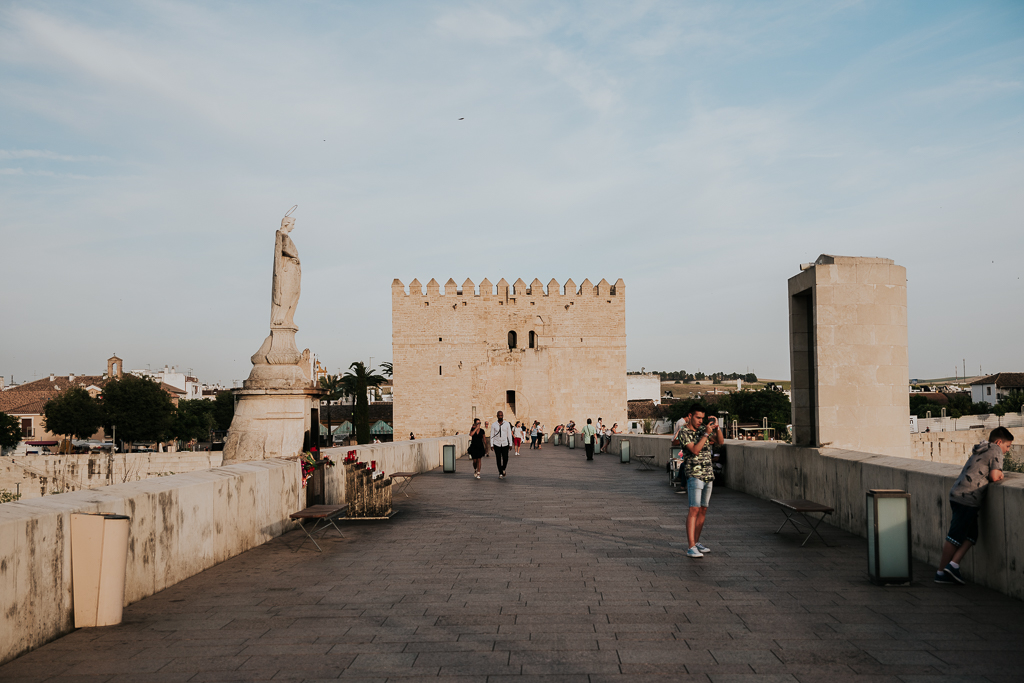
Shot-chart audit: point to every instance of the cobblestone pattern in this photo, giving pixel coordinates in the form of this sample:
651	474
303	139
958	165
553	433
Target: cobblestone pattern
567	570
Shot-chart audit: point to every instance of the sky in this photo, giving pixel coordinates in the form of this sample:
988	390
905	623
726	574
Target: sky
701	151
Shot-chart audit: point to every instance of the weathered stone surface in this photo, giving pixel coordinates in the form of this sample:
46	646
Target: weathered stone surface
453	360
272	412
848	352
566	571
180	526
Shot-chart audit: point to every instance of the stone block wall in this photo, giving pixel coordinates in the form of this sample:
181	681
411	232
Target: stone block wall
953	447
453	361
841	479
42	475
180	525
848	352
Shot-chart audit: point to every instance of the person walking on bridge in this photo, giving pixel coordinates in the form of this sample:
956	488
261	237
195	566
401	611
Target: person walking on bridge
501	441
589	435
477	449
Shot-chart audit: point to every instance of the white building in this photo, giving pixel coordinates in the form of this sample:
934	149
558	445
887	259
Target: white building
994	387
644	388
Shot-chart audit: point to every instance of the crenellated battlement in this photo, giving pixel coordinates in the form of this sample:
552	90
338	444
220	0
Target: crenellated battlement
548	353
503	289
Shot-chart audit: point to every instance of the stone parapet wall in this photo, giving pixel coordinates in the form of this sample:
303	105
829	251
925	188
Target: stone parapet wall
180	525
953	448
658	445
41	475
841	479
421	455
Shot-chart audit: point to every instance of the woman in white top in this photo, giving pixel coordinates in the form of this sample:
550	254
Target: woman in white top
517	436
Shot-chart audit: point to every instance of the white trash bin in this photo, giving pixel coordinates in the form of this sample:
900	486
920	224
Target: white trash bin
99	559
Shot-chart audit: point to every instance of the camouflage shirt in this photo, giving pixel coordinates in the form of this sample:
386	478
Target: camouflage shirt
699	465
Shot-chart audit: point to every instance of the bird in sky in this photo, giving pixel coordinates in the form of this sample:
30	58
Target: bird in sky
462	119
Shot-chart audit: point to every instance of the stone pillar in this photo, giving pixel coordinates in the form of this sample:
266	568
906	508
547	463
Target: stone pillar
848	354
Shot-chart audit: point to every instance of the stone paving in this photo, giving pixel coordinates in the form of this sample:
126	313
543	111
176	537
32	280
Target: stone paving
566	571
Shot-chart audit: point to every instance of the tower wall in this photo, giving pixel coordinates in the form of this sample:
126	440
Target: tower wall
848	353
452	360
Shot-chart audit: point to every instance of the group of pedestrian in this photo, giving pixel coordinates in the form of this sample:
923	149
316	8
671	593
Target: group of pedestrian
697	436
501	439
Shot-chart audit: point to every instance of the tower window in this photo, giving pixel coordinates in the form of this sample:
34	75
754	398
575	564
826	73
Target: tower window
533	339
512	339
510	399
439	370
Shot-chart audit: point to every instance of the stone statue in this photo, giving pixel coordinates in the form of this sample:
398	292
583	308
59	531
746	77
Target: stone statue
279	347
287	277
273	407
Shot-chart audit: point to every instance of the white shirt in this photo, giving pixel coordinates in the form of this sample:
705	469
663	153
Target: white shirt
518	432
501	434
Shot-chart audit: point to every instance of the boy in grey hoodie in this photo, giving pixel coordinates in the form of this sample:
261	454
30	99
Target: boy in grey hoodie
984	466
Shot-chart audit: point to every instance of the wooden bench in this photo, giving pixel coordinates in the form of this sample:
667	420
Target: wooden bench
323	516
803	508
401	481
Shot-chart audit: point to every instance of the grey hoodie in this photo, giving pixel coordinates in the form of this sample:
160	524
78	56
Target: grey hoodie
969	488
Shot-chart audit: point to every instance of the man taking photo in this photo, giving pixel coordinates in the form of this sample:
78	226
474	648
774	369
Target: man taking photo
696	437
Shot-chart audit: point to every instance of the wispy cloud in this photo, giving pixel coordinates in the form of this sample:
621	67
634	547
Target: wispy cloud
711	144
47	155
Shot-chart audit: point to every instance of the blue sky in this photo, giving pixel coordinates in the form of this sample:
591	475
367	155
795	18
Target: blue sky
699	150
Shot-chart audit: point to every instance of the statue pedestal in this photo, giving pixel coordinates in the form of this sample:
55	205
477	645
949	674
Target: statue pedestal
269	423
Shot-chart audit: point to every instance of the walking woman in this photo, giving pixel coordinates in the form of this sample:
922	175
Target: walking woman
476	446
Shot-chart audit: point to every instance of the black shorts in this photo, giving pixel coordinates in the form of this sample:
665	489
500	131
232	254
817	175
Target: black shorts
964	526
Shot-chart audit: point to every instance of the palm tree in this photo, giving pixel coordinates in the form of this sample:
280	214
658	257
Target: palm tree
357	380
387	369
334	388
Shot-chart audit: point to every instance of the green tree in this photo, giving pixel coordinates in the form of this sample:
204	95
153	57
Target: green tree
1013	401
223	410
333	387
10	431
754	406
138	408
358	380
388	369
192	420
73	413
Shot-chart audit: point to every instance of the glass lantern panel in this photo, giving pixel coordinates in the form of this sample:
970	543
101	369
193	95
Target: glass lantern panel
893	552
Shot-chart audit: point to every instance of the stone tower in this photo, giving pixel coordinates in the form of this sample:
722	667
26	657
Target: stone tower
848	353
552	356
115	367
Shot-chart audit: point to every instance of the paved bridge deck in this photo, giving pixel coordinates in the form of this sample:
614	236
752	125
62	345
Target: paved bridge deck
566	571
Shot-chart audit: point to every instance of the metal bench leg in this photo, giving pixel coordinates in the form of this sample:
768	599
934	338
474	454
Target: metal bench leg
814	529
309	536
789	520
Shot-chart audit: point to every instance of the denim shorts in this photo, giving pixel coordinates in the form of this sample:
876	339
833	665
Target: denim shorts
698	492
964	525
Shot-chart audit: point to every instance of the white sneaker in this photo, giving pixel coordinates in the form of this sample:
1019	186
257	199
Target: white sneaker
477	475
694	552
501	476
703	548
